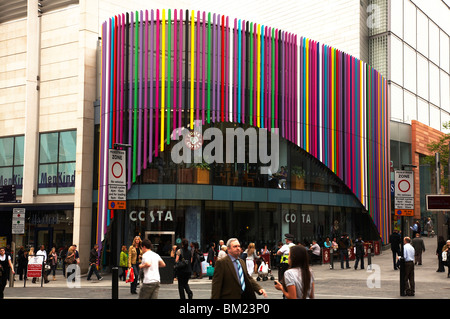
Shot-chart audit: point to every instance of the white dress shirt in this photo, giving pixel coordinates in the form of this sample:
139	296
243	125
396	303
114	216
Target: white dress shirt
408	252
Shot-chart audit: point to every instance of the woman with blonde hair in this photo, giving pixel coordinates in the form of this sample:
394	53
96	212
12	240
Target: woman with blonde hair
251	258
134	259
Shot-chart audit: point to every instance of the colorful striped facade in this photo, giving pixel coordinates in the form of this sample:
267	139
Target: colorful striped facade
164	69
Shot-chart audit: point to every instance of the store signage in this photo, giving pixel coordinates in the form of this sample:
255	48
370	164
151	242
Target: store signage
292	218
158	215
62	179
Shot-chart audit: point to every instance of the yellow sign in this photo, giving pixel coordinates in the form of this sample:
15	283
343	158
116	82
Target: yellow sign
117	204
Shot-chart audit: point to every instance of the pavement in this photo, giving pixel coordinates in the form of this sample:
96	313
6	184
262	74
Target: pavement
379	282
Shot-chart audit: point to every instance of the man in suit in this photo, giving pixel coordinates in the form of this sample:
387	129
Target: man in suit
395	241
419	247
231	279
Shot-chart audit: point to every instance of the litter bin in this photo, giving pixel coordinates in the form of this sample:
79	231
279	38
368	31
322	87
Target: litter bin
166	273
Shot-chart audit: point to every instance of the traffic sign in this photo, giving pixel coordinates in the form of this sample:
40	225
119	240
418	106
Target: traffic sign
117	204
116	167
117	192
18	221
404	193
404	212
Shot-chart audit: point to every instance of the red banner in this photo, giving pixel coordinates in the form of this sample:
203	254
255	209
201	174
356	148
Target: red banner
326	255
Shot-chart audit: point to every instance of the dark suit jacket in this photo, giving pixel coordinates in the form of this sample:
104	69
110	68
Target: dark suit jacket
225	282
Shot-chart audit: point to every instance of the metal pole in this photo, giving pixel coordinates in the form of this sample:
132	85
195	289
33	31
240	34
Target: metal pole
402	260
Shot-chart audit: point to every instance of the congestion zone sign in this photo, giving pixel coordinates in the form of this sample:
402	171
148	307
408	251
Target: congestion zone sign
116	179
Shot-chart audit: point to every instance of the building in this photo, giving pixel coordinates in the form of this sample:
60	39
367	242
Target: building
52	91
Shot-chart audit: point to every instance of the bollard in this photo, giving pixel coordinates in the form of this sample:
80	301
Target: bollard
369	258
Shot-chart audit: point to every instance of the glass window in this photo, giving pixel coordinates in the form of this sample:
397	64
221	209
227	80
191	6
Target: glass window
422	77
396	60
11	162
423	115
434	43
396	103
422	33
410	107
435	117
48	152
445	118
397	17
410	23
409	67
57	160
434	84
445	94
445	47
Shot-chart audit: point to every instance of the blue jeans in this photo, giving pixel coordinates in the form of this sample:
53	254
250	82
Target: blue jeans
343	253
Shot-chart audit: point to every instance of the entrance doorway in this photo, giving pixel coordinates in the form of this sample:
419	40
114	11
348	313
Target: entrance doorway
43	236
162	241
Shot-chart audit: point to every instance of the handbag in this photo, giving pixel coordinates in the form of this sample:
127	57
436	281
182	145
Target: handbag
70	259
444	256
129	275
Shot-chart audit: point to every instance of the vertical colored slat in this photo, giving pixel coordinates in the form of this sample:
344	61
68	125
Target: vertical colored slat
209	69
145	154
157	86
140	64
169	74
192	69
204	66
175	70
180	82
151	102
163	77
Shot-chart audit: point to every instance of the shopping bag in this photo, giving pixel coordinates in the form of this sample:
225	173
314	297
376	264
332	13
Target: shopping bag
129	275
210	271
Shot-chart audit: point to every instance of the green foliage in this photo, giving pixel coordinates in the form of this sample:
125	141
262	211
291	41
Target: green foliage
298	171
441	147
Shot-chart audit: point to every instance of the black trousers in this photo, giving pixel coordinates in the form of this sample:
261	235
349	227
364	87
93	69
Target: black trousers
409	278
183	279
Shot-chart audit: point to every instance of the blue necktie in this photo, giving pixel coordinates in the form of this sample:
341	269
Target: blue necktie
241	275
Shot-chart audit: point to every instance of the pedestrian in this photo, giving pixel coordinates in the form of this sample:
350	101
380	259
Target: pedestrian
298	280
211	259
415	229
395	241
439	249
5	268
344	245
62	256
408	255
123	262
93	262
446	249
222	252
52	262
197	258
251	258
42	252
151	262
284	253
327	243
134	256
359	252
419	248
183	255
314	252
231	279
22	262
70	260
429	227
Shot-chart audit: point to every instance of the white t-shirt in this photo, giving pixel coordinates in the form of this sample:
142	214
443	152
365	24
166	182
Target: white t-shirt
293	276
2	258
151	274
285	248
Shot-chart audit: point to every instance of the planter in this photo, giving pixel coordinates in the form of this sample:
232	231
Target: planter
297	182
201	176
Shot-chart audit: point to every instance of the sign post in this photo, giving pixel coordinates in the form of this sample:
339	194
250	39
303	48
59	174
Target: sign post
34	268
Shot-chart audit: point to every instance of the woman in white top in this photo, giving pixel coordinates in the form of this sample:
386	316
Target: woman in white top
251	256
298	279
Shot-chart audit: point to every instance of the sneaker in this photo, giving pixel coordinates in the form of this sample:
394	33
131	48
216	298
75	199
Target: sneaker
99	279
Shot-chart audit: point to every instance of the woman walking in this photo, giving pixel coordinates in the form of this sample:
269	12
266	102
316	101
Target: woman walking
251	258
183	255
134	256
298	280
53	262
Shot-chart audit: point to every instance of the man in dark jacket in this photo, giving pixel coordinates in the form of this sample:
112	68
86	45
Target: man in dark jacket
93	260
359	252
419	247
395	241
344	244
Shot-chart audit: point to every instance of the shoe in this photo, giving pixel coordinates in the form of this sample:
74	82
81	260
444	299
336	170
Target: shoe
100	279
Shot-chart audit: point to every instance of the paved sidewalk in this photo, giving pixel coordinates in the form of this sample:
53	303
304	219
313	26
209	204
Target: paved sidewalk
382	282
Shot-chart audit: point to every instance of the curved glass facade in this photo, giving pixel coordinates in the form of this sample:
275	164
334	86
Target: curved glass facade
175	87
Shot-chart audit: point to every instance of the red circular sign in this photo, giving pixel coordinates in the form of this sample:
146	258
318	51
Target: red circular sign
404	186
117	170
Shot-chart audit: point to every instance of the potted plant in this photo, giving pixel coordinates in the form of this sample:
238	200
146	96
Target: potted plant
297	178
201	173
